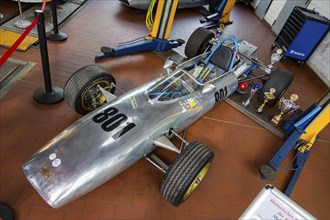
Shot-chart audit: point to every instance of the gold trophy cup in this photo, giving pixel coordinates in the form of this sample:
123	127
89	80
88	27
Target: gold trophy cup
286	106
268	96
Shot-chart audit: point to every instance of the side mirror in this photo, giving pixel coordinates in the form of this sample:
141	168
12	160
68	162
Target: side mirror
208	88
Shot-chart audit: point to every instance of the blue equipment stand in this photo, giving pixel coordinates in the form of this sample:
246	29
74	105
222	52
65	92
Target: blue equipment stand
139	45
220	16
294	142
158	39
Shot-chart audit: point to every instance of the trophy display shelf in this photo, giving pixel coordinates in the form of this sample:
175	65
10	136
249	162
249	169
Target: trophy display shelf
263	119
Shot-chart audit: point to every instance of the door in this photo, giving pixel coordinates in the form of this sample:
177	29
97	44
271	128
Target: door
285	13
262	8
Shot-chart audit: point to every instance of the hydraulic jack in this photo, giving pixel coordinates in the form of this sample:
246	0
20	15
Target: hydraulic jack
158	39
221	16
303	135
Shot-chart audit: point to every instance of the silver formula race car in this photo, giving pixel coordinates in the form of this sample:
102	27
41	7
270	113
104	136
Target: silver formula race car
115	132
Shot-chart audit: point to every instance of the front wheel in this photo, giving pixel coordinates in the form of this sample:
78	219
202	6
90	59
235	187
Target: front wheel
82	92
280	80
185	174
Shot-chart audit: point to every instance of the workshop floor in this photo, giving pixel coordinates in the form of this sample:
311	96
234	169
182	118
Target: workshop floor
240	144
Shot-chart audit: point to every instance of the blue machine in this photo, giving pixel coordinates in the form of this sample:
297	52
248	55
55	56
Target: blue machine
158	39
221	16
302	33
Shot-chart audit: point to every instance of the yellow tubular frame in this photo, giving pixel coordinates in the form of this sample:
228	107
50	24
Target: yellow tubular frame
226	12
163	19
315	127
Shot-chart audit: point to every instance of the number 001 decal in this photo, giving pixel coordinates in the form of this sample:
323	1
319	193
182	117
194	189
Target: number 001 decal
111	120
221	94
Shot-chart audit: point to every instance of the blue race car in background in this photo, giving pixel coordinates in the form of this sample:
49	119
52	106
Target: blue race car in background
144	4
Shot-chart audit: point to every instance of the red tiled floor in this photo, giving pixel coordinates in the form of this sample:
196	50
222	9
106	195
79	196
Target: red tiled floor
240	144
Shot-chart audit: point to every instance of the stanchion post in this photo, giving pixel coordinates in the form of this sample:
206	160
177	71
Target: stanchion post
21	23
47	94
55	35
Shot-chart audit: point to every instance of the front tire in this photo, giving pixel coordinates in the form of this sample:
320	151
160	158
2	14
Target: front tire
280	80
185	173
198	42
81	91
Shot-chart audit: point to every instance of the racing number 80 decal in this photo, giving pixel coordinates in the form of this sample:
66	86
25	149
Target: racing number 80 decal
111	120
221	94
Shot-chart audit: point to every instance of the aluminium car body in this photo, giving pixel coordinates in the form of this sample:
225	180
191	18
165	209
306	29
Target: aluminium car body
93	150
125	129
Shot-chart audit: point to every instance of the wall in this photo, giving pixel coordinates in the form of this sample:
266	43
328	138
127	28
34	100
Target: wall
320	60
274	10
254	3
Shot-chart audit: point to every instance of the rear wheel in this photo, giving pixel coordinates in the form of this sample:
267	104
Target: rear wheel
82	92
280	80
185	174
198	42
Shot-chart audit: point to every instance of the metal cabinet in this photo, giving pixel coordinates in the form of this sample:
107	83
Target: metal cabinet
301	34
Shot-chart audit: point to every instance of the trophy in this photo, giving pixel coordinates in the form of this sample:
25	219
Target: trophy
252	92
286	106
268	96
275	58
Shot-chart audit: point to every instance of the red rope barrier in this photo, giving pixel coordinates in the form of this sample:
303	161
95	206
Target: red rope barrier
11	50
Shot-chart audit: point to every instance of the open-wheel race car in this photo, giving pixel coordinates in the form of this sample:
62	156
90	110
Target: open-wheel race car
115	132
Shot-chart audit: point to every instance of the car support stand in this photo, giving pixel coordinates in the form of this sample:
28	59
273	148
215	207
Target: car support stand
302	138
221	16
158	39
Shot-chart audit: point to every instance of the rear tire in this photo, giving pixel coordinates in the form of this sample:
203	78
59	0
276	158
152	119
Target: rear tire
198	42
185	173
81	90
5	212
280	80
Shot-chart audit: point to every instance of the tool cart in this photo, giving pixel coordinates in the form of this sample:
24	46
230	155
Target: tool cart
301	34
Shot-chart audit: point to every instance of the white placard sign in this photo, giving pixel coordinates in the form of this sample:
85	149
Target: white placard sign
271	203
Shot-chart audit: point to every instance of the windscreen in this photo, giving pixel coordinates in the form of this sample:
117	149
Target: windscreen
176	85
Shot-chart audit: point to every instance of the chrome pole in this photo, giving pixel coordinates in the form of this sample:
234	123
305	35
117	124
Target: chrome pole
21	23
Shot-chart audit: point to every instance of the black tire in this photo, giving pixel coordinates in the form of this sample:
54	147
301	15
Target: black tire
5	212
86	80
198	42
213	5
185	173
280	80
